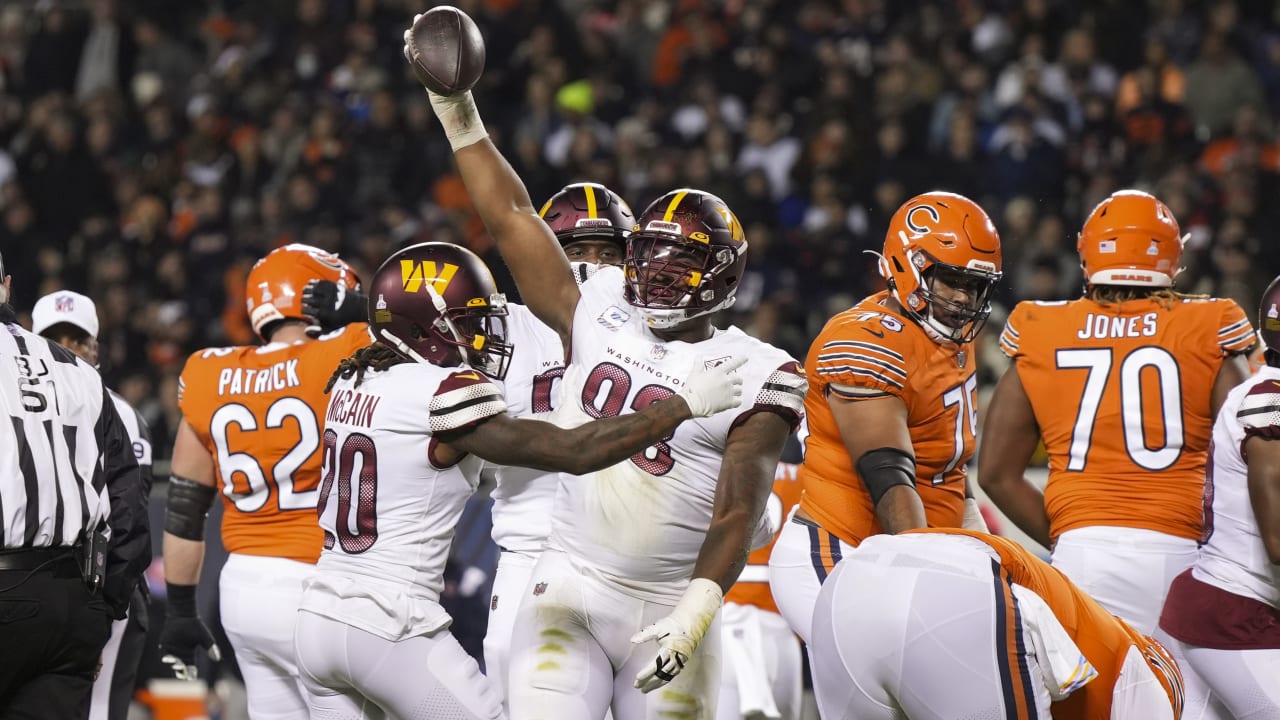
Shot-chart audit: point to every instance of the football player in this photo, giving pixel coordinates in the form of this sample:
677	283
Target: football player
1221	619
892	403
944	623
763	674
644	550
1122	385
591	223
410	419
250	431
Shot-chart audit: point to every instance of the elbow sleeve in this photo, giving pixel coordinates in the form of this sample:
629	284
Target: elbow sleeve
187	507
882	468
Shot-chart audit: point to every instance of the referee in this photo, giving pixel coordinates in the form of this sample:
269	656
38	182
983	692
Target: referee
73	533
71	320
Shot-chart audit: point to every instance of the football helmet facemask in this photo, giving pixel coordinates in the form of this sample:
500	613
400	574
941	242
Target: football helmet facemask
588	212
942	262
685	258
437	303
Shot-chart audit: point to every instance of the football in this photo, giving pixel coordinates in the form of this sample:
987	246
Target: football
445	50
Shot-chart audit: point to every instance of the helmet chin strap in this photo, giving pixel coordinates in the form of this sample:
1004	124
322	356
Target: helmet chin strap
667	318
404	348
940	330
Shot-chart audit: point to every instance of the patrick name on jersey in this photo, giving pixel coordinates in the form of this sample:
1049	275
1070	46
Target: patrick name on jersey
246	381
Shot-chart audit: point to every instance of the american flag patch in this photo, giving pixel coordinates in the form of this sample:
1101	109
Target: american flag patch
1107	246
539	588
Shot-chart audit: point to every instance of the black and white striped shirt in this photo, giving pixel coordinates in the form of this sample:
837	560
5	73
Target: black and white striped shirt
67	464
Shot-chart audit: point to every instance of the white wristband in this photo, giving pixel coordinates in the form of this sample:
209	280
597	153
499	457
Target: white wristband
698	607
973	519
460	119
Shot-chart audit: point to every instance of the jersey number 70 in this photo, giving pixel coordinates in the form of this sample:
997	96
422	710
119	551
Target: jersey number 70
1098	362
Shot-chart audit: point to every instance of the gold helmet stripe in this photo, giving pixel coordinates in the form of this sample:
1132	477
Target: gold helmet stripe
591	201
545	207
675	202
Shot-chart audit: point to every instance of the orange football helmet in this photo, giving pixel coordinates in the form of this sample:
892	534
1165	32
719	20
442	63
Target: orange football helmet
942	235
273	290
1131	238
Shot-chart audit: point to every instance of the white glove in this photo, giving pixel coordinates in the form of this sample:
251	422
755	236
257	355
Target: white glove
708	391
973	519
679	633
458	114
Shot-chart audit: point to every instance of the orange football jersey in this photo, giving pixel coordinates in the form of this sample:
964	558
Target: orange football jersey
752	587
1103	638
260	412
870	351
1122	396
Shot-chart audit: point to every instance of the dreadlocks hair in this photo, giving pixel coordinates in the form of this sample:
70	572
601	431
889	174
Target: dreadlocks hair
376	356
1116	294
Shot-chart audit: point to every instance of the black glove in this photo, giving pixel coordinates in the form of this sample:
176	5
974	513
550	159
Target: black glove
184	632
333	306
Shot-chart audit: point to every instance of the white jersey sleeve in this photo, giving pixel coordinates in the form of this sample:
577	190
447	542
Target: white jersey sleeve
387	506
642	522
523	497
1232	556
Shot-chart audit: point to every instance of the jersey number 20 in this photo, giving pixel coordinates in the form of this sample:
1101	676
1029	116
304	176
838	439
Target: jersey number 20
339	464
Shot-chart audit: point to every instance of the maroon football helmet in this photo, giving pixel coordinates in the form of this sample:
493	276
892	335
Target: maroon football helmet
588	211
1269	323
685	258
437	303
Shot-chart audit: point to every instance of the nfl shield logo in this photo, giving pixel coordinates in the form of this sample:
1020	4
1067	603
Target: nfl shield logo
539	588
64	304
493	604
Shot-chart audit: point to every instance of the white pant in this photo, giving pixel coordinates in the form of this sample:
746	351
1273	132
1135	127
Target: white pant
910	639
509	583
351	674
1128	571
100	699
761	666
572	656
800	561
1225	684
259	599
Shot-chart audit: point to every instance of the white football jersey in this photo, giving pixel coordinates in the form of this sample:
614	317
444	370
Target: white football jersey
641	522
523	497
1233	557
387	509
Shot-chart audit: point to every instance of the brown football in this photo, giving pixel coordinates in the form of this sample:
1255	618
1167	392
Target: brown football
446	52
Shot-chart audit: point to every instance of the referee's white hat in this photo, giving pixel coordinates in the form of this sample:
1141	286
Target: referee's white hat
65	306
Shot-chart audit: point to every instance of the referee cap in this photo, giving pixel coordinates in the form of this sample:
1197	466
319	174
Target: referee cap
65	306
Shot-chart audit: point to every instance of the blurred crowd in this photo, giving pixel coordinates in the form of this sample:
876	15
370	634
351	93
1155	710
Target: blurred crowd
150	150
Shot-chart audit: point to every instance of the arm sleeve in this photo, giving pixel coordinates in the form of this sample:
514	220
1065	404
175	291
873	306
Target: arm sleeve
129	551
1259	411
1235	332
463	400
781	393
